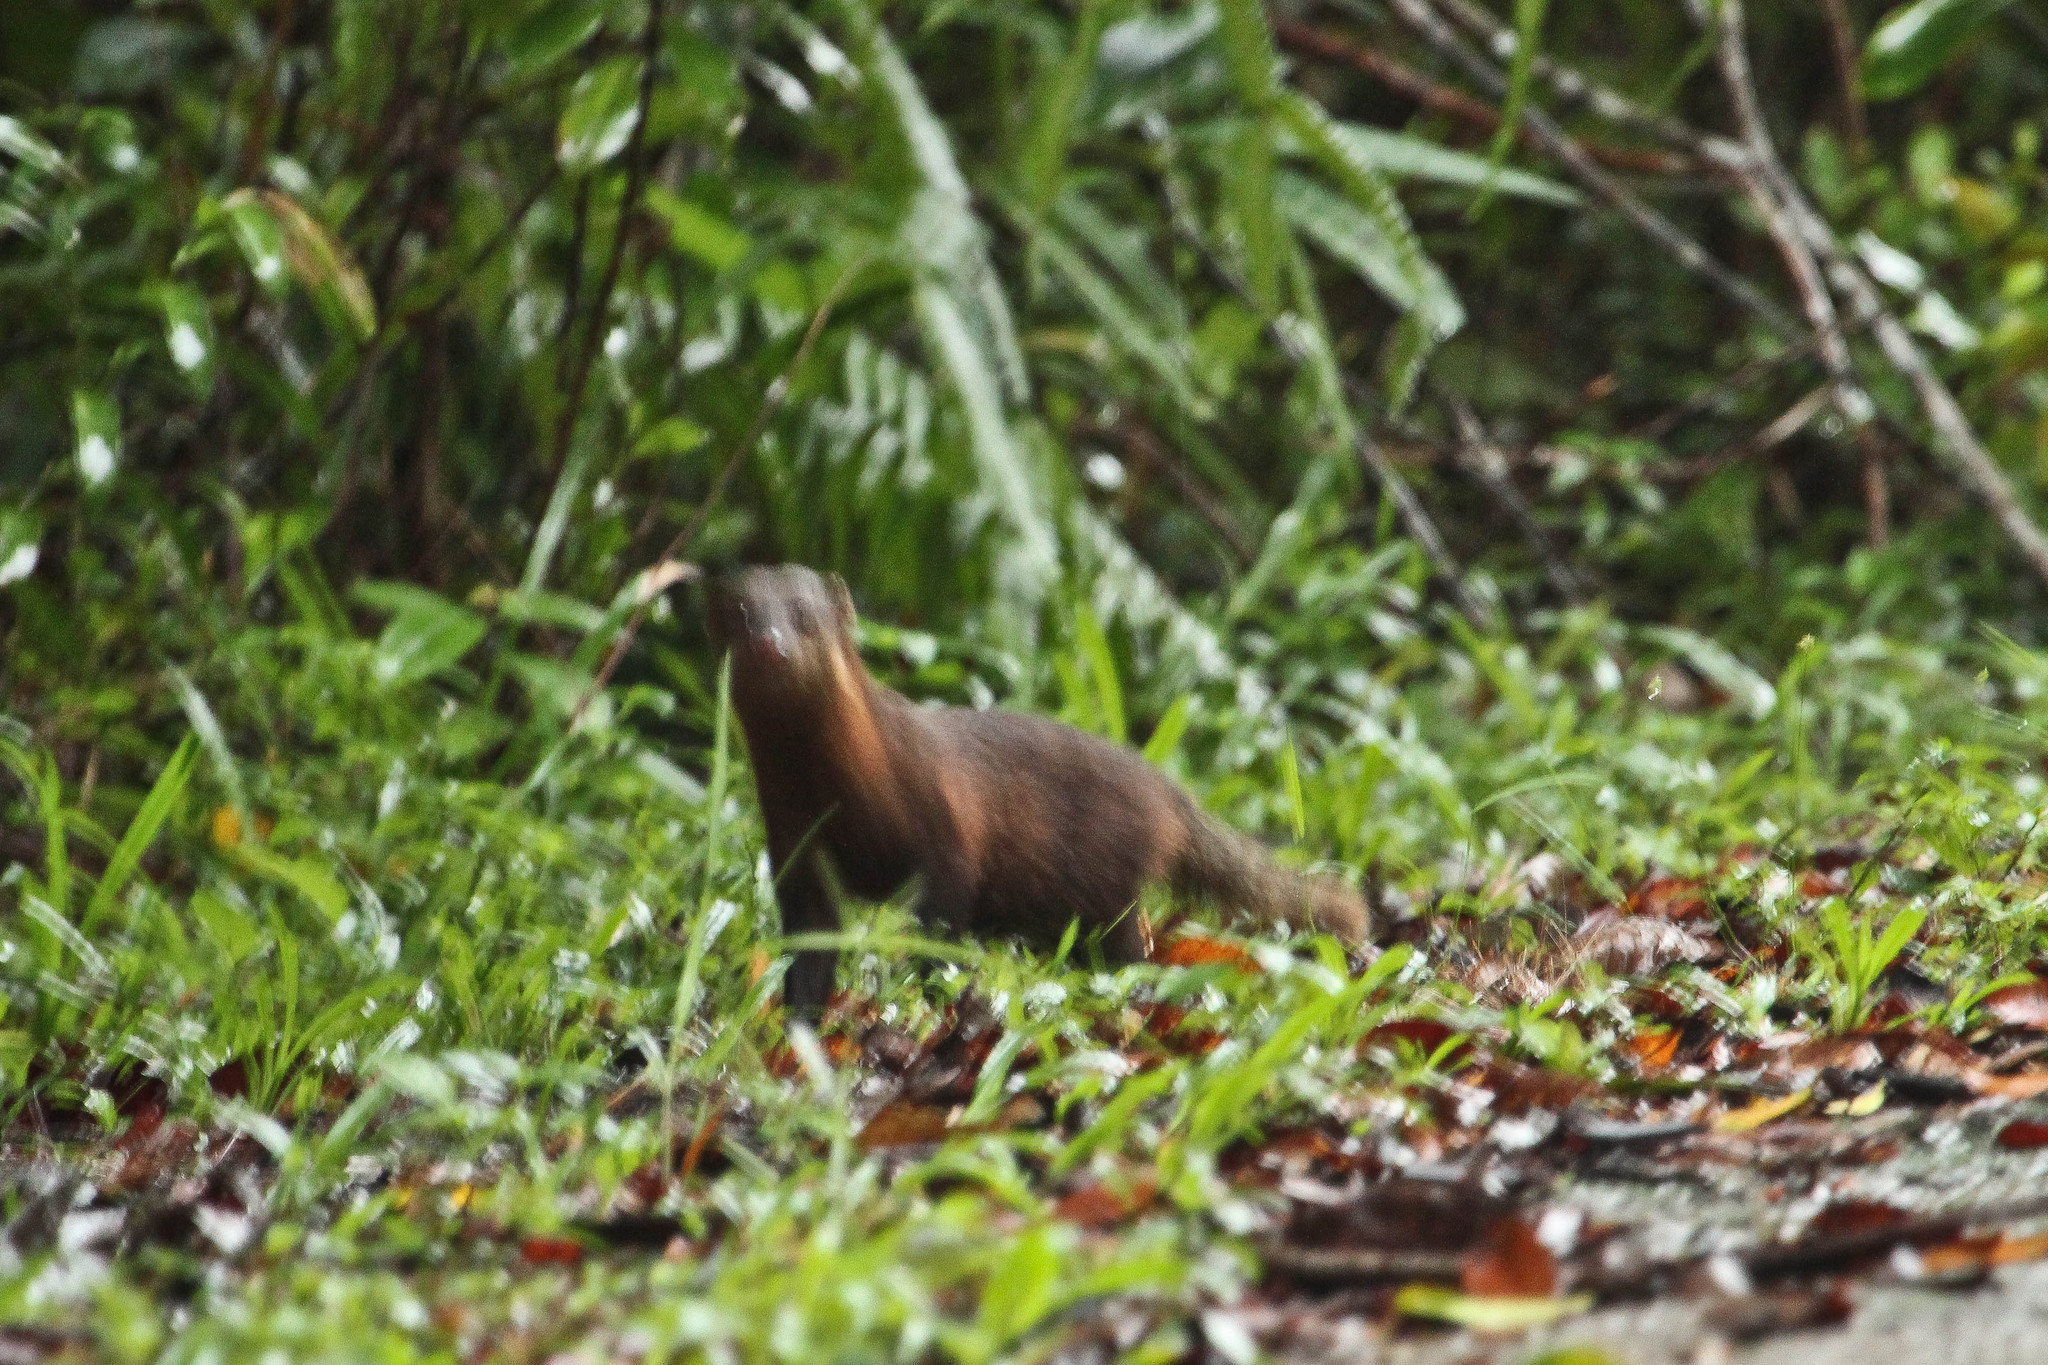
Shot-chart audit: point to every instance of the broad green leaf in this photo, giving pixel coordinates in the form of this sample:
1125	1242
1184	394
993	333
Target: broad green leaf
1022	1286
598	119
427	634
188	332
1913	42
550	33
670	436
260	238
698	231
21	534
309	879
96	433
320	263
1143	44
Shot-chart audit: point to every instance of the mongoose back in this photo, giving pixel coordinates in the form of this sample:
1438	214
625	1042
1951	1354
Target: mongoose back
1014	825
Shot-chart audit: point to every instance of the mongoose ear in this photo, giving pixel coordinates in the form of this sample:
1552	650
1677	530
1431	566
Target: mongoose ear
842	599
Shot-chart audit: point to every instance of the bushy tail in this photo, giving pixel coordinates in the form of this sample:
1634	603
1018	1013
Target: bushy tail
1217	863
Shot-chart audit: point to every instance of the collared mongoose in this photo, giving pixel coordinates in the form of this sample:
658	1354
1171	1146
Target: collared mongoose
1015	825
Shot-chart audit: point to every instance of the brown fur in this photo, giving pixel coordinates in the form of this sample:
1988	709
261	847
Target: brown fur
1015	824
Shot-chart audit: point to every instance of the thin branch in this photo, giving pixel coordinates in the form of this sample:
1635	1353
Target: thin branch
1770	189
1848	70
1456	104
1481	456
1955	440
1143	444
1430	26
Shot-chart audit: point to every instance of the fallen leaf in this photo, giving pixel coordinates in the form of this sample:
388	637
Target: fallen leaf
2023	1135
1759	1113
1638	945
550	1251
904	1124
1670	898
1199	950
1653	1049
1103	1204
1486	1314
1760	1315
1509	1262
2024	1005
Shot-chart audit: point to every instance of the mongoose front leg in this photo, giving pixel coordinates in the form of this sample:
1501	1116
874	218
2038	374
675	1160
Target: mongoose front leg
808	906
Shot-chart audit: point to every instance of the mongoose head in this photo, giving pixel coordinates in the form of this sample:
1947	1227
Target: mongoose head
790	629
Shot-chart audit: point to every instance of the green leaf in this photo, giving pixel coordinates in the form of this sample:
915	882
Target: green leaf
21	534
427	634
598	119
1403	156
1044	156
1166	736
670	436
1102	665
698	231
1021	1286
321	264
142	831
188	332
310	880
96	431
1247	180
1352	236
1528	23
1915	41
551	33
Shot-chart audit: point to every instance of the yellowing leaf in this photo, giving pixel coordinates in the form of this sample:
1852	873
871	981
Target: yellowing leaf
1487	1313
1753	1116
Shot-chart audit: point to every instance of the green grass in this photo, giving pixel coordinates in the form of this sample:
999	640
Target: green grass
456	1030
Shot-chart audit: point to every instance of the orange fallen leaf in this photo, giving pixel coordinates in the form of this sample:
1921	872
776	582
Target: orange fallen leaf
550	1251
1103	1204
1199	950
902	1123
1654	1049
1509	1263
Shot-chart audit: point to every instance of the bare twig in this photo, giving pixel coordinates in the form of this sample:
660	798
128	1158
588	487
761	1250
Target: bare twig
1442	99
1141	443
1770	189
1843	46
1481	456
1344	1265
1574	88
1745	374
1955	440
1419	16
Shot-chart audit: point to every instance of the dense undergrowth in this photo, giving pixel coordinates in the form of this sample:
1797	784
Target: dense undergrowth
388	952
